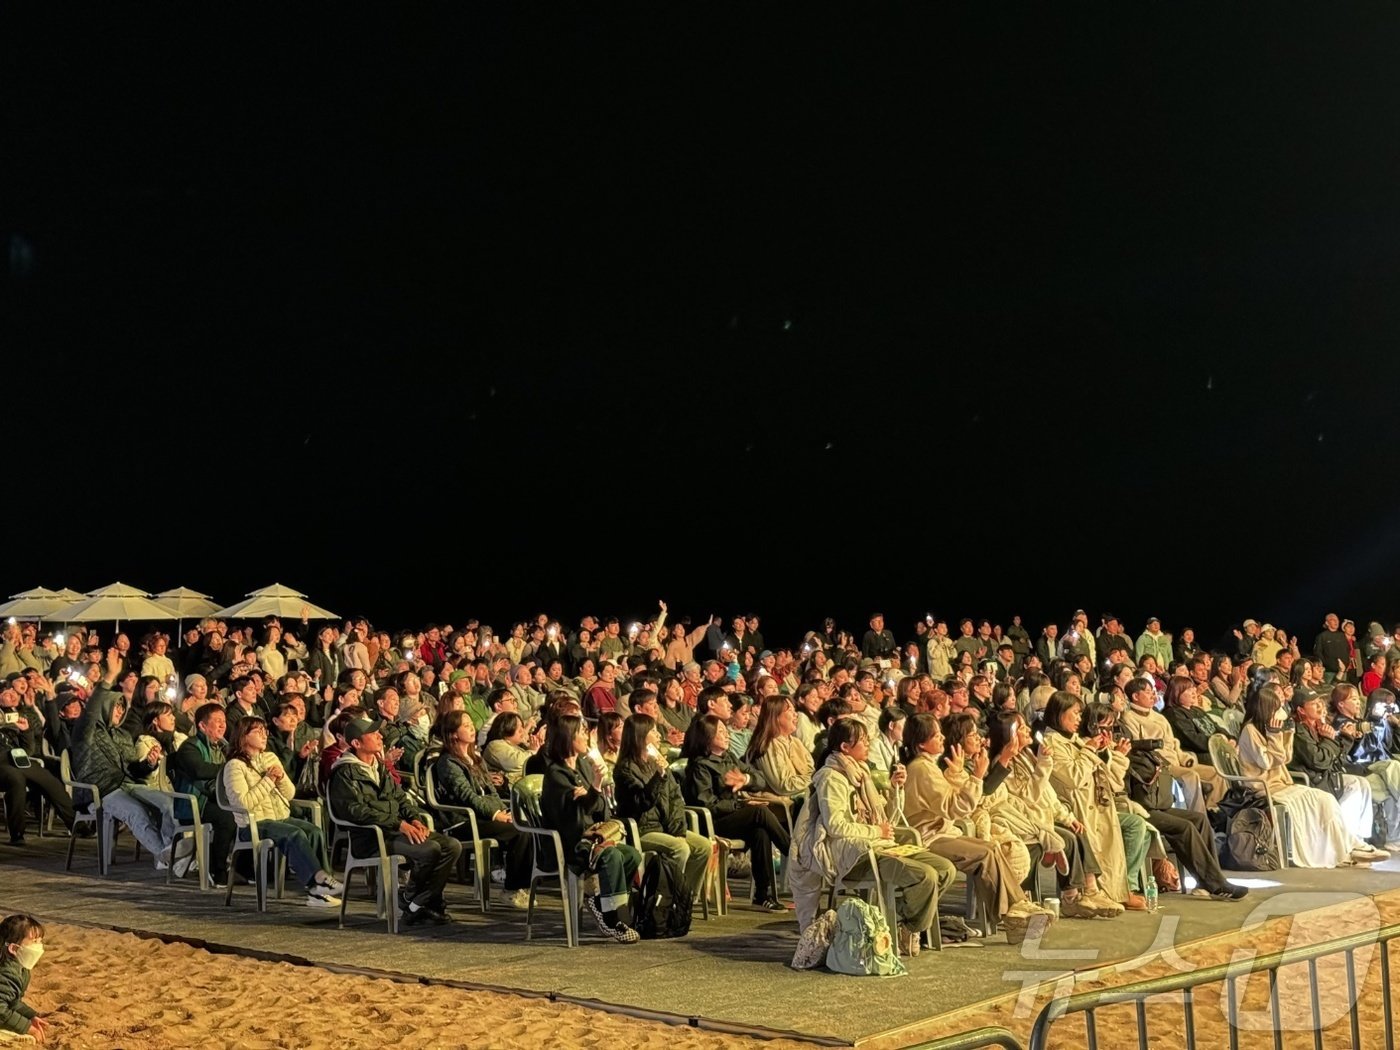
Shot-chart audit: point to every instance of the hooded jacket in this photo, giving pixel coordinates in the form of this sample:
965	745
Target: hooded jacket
106	755
365	794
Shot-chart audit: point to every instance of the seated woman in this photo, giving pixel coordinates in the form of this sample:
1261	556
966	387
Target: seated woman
1077	776
570	804
1188	720
808	700
1320	837
609	740
1318	755
843	819
293	741
648	794
259	790
1223	702
1101	725
507	746
460	778
158	731
714	780
1021	801
674	710
936	800
1200	784
776	751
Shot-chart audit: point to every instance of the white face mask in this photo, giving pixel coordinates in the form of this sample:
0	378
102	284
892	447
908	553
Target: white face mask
29	954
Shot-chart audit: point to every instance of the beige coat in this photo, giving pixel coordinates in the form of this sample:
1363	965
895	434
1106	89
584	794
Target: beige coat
936	800
252	793
787	766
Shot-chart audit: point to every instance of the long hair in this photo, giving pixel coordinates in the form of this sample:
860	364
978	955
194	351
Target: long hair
918	729
450	724
766	730
956	728
1260	707
1001	729
1059	704
635	731
503	726
700	737
559	743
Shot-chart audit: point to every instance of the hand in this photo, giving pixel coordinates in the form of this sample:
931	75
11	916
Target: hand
153	755
1009	750
580	791
413	831
1279	717
393	755
275	773
501	816
1238	634
661	605
37	1030
898	775
307	748
954	759
886	831
22	724
1076	827
1125	745
496	779
755	802
1326	732
734	779
981	763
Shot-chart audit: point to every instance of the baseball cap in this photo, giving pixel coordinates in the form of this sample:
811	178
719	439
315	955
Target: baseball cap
361	727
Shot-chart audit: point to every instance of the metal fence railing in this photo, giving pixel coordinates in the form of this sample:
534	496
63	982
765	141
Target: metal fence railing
1139	992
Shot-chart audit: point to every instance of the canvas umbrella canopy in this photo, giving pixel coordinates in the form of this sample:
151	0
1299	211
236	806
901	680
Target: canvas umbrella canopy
117	602
69	595
187	604
34	608
37	592
276	600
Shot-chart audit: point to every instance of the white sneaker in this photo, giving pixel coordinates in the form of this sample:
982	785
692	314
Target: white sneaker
518	899
313	901
333	884
323	893
1393	847
498	876
184	865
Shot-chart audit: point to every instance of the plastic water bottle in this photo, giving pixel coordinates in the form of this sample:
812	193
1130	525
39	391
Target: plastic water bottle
1151	893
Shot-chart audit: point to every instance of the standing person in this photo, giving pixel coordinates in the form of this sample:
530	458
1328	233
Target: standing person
571	803
648	794
362	792
259	791
1332	650
941	652
878	643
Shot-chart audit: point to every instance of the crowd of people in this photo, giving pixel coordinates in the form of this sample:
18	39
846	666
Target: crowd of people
986	752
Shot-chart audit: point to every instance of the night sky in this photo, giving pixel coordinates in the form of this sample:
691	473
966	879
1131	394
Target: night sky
478	310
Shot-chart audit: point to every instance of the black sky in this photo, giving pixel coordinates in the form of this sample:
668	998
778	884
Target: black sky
475	309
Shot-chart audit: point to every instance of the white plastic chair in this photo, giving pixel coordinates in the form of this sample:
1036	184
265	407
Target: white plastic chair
527	817
381	869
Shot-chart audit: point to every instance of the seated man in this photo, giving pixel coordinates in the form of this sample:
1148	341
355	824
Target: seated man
362	792
193	769
105	757
1200	783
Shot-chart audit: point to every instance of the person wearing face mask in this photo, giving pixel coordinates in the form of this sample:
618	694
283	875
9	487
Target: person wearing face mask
21	948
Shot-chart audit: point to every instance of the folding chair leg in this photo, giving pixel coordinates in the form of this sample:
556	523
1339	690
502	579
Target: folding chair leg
572	903
483	876
530	912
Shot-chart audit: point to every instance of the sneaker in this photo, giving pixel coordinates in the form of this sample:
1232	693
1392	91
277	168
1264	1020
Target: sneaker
594	908
1058	861
1101	903
315	900
518	899
624	934
498	876
953	925
1230	893
325	893
1366	851
1136	902
417	913
333	884
1075	909
908	941
183	866
1029	909
771	904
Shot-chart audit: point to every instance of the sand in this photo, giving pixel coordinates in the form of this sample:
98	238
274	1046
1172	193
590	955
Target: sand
1117	1025
103	990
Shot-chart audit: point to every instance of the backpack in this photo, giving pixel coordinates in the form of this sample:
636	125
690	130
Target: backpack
1250	844
862	945
660	909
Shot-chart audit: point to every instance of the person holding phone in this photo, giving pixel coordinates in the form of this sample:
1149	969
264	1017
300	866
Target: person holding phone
1367	735
1320	838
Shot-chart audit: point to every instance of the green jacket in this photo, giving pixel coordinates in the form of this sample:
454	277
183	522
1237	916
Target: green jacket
104	755
1159	646
193	768
15	1013
365	795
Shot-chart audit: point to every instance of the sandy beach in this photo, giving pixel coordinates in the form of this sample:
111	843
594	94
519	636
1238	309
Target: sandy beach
1116	1025
103	990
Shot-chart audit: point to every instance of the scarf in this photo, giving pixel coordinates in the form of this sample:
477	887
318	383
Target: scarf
868	807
